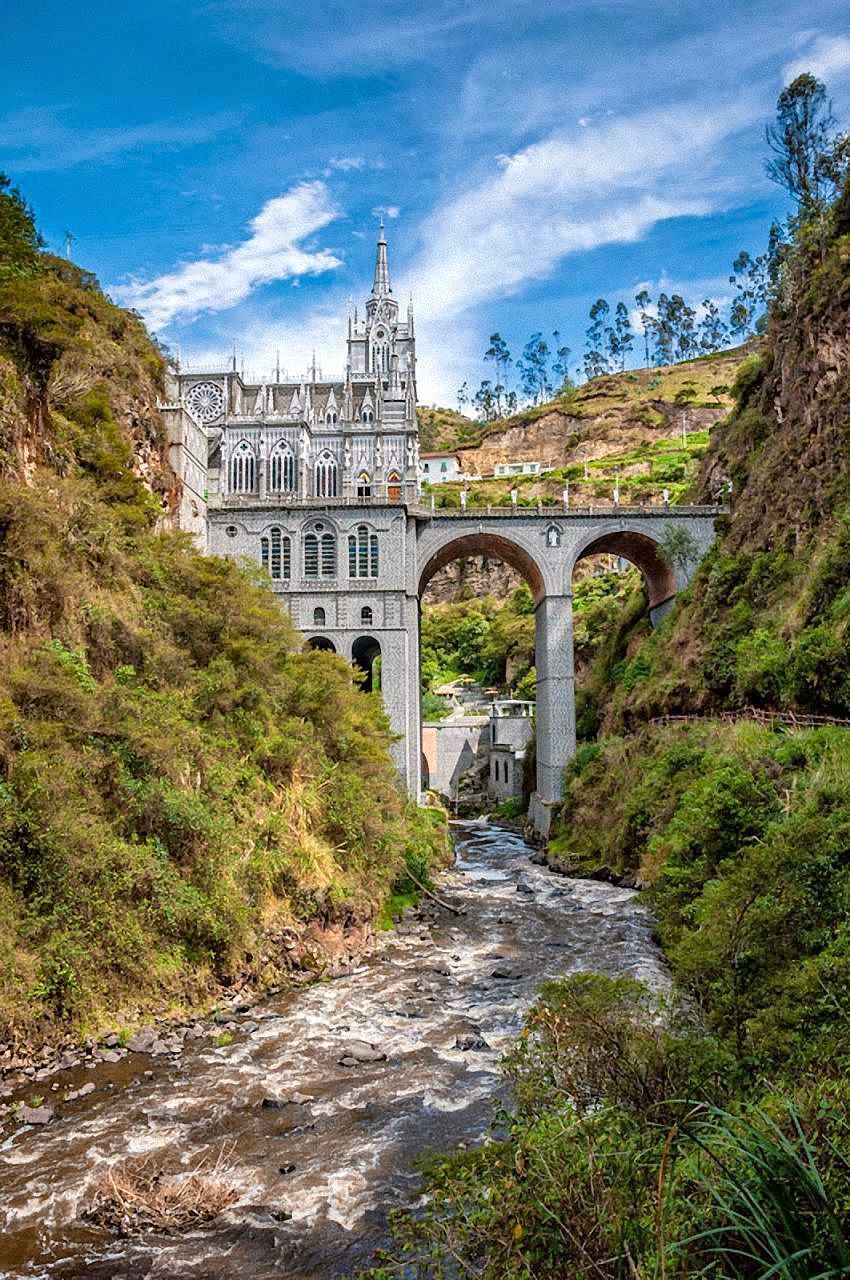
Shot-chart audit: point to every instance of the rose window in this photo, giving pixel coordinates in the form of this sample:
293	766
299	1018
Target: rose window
205	401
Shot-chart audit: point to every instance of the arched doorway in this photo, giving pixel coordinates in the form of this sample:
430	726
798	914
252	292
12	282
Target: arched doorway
366	656
321	643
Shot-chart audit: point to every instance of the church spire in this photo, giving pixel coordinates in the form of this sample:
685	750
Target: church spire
381	287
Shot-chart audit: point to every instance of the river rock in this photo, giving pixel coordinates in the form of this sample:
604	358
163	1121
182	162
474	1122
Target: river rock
142	1041
109	1055
503	972
35	1115
110	1041
357	1051
295	1099
471	1041
83	1091
523	886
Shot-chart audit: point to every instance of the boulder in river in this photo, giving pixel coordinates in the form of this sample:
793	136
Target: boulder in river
358	1051
35	1115
503	972
471	1041
83	1091
142	1041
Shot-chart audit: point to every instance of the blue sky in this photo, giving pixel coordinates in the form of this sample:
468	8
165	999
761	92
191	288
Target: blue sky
220	162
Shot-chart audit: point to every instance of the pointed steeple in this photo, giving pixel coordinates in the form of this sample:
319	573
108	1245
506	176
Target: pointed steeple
381	287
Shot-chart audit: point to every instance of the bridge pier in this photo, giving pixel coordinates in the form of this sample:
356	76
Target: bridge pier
555	712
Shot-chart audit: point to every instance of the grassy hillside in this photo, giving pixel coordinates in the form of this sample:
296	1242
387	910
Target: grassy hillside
177	779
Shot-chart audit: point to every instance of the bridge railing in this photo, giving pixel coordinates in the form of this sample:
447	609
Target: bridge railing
422	511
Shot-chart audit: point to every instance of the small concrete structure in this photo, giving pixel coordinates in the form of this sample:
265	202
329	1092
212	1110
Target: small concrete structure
504	469
439	468
511	730
449	749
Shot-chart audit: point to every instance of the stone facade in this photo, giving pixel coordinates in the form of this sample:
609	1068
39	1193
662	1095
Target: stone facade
317	481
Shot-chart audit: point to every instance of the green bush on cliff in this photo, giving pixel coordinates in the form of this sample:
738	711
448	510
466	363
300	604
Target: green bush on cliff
177	778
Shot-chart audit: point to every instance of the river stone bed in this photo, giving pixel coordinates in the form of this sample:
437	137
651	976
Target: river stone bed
323	1098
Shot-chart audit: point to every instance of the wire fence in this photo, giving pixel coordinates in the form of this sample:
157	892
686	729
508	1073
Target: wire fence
758	715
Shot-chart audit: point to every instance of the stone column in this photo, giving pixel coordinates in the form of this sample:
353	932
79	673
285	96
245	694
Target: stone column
400	692
555	714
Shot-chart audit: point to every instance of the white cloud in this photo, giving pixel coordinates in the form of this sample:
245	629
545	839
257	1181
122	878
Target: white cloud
269	253
387	210
345	164
827	57
40	140
573	191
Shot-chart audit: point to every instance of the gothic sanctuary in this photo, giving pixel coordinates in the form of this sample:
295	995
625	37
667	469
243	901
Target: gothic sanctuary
317	481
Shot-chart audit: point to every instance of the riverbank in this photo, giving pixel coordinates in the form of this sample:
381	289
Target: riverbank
360	1074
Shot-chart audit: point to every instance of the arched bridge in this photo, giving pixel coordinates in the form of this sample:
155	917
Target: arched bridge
544	546
351	572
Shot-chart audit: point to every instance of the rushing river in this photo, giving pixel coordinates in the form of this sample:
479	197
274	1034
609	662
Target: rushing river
339	1161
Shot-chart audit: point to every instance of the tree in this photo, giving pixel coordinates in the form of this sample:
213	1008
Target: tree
462	396
647	321
751	279
500	355
683	322
484	401
561	364
533	368
803	143
595	360
713	331
719	390
663	332
19	240
624	336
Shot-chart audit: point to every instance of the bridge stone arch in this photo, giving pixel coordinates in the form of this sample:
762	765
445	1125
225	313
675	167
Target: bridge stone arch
544	547
435	552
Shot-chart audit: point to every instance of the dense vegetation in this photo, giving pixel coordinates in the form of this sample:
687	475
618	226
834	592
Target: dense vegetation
177	779
492	641
707	1133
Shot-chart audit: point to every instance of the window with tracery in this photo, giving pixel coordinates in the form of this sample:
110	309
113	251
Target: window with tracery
243	469
326	476
362	553
282	470
364	485
319	554
276	554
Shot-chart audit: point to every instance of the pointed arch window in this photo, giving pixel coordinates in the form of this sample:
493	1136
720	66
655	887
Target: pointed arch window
364	485
394	487
362	553
243	469
319	619
319	553
326	475
276	554
367	416
282	469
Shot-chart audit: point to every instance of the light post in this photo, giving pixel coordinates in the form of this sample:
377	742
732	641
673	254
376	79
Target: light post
566	495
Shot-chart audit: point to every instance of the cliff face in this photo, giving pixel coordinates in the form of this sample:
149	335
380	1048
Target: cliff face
471	578
604	417
767	618
178	782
